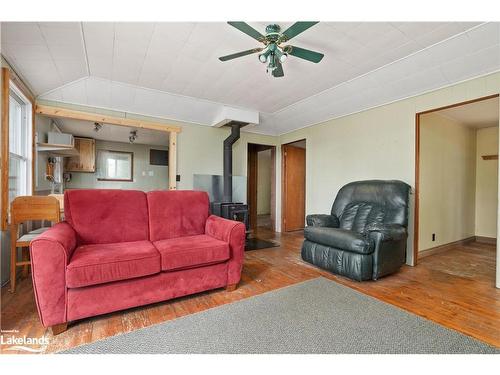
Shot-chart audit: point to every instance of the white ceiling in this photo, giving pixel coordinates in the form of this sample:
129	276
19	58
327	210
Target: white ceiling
113	133
482	114
171	70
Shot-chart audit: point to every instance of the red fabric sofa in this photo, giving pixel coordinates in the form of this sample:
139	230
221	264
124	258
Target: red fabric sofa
119	249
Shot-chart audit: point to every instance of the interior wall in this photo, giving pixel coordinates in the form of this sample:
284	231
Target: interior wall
142	169
497	281
447	181
42	127
264	182
4	235
200	151
377	143
486	183
199	147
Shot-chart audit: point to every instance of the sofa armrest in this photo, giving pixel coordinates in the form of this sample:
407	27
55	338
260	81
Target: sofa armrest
50	254
232	232
388	232
321	220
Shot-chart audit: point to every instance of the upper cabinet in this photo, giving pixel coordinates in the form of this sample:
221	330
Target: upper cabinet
85	161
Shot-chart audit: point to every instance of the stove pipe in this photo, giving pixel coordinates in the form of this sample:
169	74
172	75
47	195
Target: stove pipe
228	159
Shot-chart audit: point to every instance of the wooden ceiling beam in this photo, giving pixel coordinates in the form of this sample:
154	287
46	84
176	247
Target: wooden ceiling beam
51	111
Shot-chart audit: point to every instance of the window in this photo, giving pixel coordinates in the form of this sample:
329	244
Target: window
20	144
115	165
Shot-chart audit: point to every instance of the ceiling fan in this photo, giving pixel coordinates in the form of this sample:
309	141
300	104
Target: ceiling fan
274	53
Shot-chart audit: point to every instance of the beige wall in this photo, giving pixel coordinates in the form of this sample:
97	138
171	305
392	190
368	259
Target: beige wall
376	143
447	181
264	183
486	183
42	127
4	235
142	168
497	281
200	151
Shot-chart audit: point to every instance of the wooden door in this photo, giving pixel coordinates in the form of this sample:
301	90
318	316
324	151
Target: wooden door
294	188
252	186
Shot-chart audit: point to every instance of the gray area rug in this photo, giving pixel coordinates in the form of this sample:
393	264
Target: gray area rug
316	316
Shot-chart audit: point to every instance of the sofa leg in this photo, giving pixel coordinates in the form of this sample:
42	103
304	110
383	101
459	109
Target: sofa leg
231	287
59	328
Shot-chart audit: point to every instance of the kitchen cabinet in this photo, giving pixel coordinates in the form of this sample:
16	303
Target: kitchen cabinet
85	161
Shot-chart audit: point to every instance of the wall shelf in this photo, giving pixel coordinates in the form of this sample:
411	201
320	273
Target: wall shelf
58	150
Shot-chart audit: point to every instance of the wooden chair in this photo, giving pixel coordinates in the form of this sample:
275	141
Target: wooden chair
24	209
60	198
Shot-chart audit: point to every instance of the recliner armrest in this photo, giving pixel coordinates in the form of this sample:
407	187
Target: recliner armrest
322	220
394	232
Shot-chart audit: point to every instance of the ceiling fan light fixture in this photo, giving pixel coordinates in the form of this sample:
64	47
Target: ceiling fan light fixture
264	56
280	54
273	53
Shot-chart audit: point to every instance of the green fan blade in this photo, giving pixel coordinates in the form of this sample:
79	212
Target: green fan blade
249	30
240	54
296	29
278	72
305	54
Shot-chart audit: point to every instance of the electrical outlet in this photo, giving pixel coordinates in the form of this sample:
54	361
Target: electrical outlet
151	173
433	236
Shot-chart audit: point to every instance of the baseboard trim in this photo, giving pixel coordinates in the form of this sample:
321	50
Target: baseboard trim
487	240
445	247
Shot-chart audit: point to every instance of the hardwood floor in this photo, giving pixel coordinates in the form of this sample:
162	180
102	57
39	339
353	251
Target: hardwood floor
455	289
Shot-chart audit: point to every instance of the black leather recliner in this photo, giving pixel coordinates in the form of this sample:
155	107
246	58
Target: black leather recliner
364	237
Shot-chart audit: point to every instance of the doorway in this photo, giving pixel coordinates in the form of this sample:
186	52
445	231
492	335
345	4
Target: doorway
261	187
79	154
457	186
293	185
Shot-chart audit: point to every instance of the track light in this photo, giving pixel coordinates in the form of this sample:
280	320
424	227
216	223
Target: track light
97	126
133	136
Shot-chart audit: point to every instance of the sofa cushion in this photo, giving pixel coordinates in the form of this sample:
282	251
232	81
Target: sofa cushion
192	251
340	239
107	216
175	214
103	263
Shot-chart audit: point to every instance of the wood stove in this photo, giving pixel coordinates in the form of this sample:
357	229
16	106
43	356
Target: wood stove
232	211
227	208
